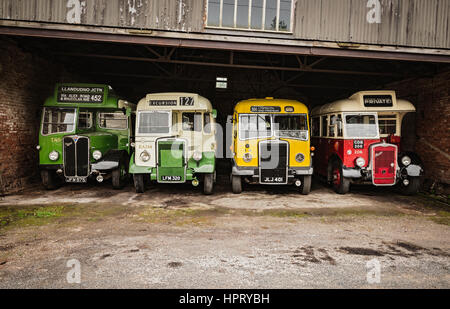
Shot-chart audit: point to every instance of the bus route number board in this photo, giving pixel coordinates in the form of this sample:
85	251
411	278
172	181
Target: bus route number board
67	94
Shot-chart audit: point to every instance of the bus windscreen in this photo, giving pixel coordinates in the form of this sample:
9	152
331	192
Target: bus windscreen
361	126
255	126
291	126
154	123
58	120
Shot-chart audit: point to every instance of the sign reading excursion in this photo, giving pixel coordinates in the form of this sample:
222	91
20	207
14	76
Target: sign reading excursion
378	101
163	103
69	94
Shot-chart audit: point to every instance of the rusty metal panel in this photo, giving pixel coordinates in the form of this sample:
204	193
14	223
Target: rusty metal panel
414	23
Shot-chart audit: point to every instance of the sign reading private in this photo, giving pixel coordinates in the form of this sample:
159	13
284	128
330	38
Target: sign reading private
378	101
69	94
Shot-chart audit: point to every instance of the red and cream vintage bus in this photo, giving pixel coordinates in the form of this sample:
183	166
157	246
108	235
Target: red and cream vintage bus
358	140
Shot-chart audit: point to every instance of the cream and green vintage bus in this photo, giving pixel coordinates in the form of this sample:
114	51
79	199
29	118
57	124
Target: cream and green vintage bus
175	141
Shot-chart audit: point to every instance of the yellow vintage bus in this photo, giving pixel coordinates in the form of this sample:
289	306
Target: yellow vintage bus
271	144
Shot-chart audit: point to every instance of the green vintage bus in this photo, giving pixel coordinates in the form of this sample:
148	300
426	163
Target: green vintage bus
175	141
85	134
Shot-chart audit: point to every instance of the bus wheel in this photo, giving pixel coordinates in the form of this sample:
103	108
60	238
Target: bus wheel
49	180
236	184
306	186
139	183
340	184
413	187
208	184
118	177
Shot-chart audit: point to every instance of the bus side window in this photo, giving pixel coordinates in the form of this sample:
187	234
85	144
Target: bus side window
207	123
340	132
324	126
316	127
192	122
85	120
332	126
175	122
388	124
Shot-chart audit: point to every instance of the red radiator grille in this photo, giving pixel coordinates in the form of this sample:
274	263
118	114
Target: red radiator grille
384	165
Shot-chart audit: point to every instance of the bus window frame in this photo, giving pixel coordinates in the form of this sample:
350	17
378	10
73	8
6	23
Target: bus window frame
138	123
238	127
211	131
313	126
114	112
324	134
75	121
193	129
344	116
332	126
78	120
293	138
397	121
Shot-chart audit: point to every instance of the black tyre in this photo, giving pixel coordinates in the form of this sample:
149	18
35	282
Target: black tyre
341	185
413	187
208	184
119	177
49	180
139	183
236	184
306	186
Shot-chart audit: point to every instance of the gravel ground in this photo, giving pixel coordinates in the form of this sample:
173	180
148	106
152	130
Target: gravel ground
260	239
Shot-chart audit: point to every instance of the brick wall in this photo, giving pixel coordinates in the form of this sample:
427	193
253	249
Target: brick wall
25	81
432	122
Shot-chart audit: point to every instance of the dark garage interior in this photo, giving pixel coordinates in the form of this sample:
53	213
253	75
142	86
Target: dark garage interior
30	67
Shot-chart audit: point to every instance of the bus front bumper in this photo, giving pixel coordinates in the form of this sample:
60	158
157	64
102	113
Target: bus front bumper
254	171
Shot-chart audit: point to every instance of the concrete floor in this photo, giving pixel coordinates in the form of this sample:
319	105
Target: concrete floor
267	237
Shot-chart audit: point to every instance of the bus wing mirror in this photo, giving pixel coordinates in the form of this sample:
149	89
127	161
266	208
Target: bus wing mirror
214	113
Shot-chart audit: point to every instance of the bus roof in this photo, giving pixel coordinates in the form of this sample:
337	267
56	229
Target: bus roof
175	101
269	105
86	95
367	101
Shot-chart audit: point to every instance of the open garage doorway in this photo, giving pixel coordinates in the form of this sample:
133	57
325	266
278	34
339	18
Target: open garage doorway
226	76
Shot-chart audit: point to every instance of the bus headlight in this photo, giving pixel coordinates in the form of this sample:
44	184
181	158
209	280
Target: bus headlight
198	155
53	156
145	156
97	155
360	162
406	161
300	157
248	157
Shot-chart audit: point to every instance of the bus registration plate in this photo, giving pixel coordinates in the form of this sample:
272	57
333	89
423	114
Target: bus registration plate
76	179
273	180
171	178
